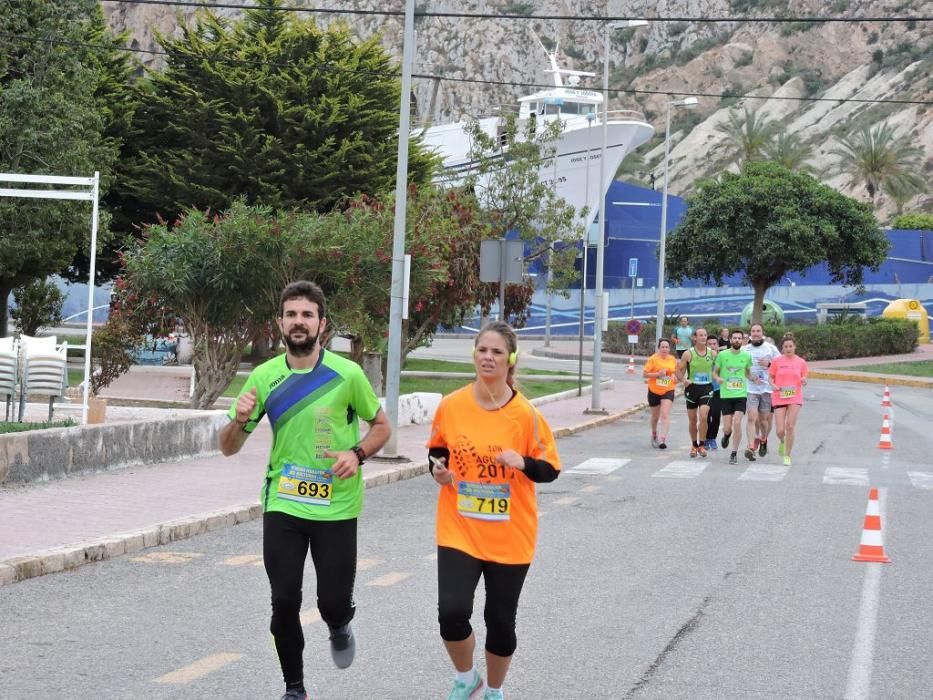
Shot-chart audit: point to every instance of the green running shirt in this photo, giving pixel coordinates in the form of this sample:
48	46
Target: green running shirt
311	411
700	367
732	368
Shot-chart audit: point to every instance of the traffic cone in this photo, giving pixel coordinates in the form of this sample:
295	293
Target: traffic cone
631	365
886	399
884	442
871	546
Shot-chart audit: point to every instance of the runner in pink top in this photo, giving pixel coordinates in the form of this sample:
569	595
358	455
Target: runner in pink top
788	375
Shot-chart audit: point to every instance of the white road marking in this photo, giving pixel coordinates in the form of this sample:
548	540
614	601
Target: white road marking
364	564
566	501
598	466
921	480
850	476
200	668
858	685
764	472
389	579
591	489
431	557
682	470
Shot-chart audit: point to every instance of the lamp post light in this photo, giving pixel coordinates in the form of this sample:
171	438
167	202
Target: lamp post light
686	102
599	315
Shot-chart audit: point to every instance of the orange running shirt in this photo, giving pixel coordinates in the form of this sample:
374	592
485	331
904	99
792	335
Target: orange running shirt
661	385
490	511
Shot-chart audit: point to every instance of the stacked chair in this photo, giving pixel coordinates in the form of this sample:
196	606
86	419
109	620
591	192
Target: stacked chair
9	370
44	371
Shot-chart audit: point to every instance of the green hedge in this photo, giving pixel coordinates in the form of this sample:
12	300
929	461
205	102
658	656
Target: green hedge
831	341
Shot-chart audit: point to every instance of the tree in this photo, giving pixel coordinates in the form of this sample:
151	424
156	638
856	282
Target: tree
270	108
883	162
52	122
914	222
513	197
38	304
768	221
788	151
750	134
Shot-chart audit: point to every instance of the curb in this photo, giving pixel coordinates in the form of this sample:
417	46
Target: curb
869	378
612	358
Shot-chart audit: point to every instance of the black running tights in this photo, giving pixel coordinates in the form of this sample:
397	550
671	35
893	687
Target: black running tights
285	542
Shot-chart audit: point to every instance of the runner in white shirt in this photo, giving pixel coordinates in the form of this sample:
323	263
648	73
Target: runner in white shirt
759	408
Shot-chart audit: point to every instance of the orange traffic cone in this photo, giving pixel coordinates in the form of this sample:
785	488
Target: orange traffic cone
886	399
884	442
631	365
871	547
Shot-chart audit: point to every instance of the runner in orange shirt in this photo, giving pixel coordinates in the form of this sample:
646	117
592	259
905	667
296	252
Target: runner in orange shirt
660	372
488	447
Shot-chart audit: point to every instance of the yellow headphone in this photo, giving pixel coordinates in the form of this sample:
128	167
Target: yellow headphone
513	356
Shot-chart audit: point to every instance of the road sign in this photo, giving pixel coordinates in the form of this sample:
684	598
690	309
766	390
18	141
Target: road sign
492	266
633	267
633	326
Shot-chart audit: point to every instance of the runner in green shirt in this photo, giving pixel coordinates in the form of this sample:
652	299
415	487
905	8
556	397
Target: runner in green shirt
695	370
732	370
312	493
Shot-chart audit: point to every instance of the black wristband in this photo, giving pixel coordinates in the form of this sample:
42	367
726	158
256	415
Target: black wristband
358	451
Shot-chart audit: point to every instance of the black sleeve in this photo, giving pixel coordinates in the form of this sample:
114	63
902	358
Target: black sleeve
438	453
540	470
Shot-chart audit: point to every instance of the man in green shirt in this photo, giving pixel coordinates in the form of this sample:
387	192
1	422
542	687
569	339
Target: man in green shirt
312	494
695	370
732	370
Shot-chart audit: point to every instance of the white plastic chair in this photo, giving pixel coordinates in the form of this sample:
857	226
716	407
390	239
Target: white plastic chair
9	366
44	370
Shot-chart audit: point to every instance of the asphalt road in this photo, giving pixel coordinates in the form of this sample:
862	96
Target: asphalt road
656	580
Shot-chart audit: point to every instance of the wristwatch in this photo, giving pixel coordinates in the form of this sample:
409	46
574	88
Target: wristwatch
358	451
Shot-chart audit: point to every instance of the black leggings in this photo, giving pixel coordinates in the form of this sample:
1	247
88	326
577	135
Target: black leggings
457	576
715	413
285	542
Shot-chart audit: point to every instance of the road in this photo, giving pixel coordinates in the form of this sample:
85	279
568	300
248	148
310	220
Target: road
665	578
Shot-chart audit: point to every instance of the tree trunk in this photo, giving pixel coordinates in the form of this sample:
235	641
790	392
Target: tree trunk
4	308
216	361
372	368
356	349
758	305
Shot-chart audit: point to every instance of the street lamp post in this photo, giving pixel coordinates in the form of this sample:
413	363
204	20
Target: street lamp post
598	317
686	102
590	116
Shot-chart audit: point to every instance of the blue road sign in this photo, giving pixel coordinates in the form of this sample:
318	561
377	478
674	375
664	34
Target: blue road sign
633	267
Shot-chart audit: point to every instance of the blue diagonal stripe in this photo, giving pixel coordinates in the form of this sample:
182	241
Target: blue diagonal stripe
294	389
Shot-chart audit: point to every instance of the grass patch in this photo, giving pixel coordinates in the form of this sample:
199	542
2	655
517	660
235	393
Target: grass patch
923	368
23	427
422	365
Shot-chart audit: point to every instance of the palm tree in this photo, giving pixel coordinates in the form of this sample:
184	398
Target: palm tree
875	157
749	132
788	150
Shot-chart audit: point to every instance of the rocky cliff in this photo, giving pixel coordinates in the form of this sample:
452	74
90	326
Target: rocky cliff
793	72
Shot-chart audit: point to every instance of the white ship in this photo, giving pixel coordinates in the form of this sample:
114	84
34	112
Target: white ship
578	148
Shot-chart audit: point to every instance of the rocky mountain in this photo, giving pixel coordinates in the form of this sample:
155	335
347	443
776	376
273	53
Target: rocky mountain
731	52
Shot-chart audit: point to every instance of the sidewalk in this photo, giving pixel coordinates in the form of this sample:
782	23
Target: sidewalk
49	527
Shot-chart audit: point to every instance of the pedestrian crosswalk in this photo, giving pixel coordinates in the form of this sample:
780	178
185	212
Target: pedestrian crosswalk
767	472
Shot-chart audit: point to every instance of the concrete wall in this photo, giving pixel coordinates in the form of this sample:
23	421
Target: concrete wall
40	455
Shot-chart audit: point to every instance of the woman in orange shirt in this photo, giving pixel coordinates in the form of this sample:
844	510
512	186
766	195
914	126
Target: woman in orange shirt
488	447
659	371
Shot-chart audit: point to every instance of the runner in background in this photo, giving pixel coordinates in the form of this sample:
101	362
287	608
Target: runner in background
715	405
660	371
788	374
488	447
695	370
732	371
683	336
759	392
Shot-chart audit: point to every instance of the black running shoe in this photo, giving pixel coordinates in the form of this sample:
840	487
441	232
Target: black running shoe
295	695
342	646
725	440
733	458
762	448
662	445
750	455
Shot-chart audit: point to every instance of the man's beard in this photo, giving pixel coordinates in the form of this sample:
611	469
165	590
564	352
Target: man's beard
736	344
303	348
